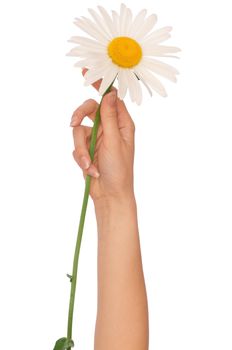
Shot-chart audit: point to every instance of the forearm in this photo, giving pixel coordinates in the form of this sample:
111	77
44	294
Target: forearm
122	316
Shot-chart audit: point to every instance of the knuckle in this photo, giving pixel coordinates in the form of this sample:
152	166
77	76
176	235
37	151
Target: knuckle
78	130
132	125
74	155
76	110
91	101
79	152
77	155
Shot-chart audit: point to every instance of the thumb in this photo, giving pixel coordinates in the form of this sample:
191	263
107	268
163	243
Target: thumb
109	115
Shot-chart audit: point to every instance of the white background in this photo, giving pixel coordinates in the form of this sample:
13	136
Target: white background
183	178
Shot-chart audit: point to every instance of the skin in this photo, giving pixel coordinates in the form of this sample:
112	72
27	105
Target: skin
122	314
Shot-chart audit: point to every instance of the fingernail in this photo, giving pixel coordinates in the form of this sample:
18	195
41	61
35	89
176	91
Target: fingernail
112	97
94	172
85	163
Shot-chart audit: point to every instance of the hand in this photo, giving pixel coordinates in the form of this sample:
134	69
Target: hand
114	150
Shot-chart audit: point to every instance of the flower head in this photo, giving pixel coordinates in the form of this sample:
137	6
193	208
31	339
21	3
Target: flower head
125	48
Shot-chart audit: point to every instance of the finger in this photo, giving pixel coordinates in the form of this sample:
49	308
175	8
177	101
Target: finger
88	108
81	153
88	133
92	170
109	116
80	143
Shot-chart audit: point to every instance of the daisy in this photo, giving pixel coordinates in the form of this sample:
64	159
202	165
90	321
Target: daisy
125	48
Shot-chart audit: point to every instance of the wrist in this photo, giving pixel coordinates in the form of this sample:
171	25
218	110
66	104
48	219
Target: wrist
112	210
116	212
106	204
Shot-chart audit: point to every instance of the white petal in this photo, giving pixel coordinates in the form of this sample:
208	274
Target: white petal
139	92
122	19
151	80
85	52
109	75
95	74
89	62
83	40
84	63
122	83
98	56
159	50
108	20
156	41
163	70
89	44
93	56
138	21
135	88
146	86
77	51
116	22
146	27
101	23
161	64
158	35
91	30
128	22
130	84
97	29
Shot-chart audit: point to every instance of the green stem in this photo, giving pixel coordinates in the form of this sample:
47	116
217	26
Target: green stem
82	220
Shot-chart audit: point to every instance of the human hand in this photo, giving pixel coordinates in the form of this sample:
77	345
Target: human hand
114	150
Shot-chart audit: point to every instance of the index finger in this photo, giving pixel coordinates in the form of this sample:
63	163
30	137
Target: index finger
88	108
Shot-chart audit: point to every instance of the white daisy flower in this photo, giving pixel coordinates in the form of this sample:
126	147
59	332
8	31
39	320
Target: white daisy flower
124	48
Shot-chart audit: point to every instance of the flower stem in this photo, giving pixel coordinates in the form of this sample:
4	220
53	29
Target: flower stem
73	278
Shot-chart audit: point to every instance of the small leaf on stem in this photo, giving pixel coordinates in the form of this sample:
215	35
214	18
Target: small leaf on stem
63	344
70	277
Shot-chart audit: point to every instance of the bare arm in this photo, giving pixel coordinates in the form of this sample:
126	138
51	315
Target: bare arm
122	315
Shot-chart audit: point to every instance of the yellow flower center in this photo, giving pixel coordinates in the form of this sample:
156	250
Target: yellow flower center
124	51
